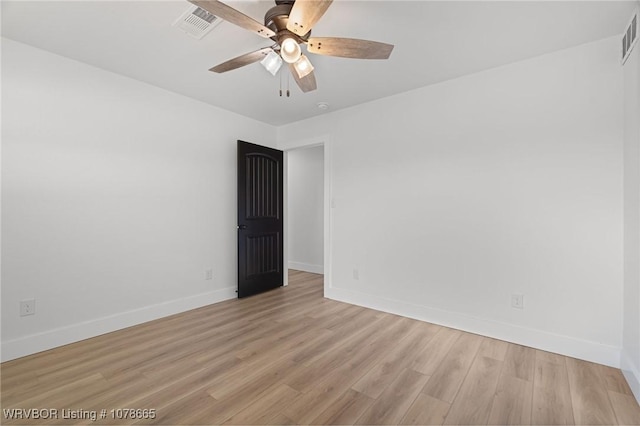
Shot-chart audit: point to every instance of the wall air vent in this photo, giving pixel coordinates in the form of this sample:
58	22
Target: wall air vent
196	22
630	37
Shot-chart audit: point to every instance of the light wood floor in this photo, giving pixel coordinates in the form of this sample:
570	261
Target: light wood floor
291	357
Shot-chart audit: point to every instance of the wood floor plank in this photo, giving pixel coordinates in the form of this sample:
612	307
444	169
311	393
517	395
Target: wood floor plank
313	403
375	339
493	348
435	352
472	404
426	410
345	410
55	397
551	402
347	318
591	405
290	356
395	401
166	395
173	413
625	407
447	378
248	374
222	410
268	341
512	402
315	350
115	393
265	409
352	365
281	420
614	380
382	374
348	333
520	362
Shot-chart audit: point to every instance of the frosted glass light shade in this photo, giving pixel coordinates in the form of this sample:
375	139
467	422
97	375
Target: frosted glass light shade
290	50
272	62
303	66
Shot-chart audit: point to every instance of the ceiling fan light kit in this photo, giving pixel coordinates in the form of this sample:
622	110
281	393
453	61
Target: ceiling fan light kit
290	50
272	62
289	25
303	66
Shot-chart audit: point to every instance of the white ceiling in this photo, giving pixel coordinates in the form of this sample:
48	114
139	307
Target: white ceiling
435	41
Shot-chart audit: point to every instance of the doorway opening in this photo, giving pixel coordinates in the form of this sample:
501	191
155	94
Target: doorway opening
305	209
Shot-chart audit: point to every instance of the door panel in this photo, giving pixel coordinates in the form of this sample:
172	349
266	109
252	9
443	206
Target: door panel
260	222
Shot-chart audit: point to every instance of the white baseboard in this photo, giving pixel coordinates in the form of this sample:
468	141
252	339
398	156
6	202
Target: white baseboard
631	373
306	267
564	345
73	333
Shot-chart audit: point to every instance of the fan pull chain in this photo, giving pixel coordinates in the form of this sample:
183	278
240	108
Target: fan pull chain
280	83
288	93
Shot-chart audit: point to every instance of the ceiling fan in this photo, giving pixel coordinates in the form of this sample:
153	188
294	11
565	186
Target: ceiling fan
289	25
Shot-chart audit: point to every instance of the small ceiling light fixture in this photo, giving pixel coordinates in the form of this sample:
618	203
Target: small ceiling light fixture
290	50
272	62
323	105
303	66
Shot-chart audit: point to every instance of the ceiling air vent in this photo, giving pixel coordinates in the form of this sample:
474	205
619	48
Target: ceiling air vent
197	22
630	37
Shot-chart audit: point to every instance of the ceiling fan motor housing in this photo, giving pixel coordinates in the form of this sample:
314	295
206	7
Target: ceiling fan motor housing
277	18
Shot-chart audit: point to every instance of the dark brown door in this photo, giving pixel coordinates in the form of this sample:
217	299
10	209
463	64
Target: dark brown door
260	222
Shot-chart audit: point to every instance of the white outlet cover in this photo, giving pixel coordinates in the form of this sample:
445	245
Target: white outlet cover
517	301
27	307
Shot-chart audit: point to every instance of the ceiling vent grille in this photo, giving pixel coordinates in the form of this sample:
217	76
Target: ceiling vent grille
197	22
630	37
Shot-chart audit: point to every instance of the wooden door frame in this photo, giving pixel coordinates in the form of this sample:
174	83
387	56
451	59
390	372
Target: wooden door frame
326	142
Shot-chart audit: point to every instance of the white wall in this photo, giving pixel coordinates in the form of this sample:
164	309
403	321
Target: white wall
305	185
631	338
450	198
116	196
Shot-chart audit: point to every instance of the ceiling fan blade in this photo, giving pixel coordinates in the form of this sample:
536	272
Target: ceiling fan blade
305	14
349	48
234	16
242	60
307	83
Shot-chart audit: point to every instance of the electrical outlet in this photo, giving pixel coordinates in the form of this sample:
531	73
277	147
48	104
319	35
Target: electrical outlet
208	274
517	301
27	307
356	274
